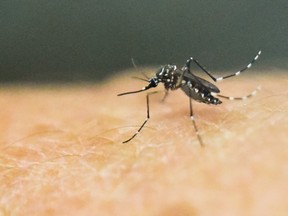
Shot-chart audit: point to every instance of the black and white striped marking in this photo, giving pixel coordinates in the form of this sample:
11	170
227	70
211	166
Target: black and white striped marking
230	75
193	86
252	94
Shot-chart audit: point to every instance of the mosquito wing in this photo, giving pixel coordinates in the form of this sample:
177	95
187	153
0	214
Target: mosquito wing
201	82
199	89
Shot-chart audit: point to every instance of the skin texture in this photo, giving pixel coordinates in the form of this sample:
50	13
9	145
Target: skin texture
61	150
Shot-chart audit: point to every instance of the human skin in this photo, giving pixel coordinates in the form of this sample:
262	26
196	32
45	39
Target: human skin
61	150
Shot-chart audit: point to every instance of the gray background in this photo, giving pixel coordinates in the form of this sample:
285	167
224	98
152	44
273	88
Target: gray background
54	40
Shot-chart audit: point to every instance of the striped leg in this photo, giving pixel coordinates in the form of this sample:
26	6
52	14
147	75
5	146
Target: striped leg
194	122
224	77
146	120
239	98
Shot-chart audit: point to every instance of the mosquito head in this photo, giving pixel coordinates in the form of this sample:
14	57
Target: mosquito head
165	74
153	82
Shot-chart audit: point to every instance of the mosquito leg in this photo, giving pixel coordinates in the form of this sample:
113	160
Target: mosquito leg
165	96
146	120
224	77
239	98
194	122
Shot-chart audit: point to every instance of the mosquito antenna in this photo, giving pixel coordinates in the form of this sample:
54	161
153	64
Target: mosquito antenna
135	66
139	78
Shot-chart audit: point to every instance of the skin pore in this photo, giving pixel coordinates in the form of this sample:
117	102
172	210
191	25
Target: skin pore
61	150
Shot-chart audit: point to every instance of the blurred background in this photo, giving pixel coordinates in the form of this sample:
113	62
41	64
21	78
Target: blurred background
89	40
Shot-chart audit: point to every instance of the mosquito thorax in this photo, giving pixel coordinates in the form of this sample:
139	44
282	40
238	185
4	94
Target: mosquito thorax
168	75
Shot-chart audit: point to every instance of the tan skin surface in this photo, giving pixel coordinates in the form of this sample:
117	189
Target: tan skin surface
61	151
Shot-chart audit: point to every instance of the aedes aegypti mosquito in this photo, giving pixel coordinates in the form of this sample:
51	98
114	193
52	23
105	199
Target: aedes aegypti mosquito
193	86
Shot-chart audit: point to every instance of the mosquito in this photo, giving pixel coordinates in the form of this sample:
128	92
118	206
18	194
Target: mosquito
193	86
